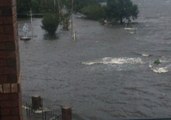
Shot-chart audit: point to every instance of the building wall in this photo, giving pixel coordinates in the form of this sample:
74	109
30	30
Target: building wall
10	94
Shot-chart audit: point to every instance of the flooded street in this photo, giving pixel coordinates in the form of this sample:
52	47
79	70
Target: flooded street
107	72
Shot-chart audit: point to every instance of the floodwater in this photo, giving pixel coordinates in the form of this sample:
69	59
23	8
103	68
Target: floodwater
108	72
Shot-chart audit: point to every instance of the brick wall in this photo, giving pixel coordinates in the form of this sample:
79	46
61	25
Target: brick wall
10	94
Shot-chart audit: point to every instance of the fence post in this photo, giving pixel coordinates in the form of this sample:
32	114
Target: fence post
66	113
42	115
27	110
37	103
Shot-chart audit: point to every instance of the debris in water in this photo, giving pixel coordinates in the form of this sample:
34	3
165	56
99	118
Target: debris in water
157	62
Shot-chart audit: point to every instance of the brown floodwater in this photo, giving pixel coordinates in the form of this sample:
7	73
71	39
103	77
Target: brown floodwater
108	71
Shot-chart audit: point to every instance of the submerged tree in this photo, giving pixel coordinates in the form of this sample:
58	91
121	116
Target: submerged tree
50	23
65	18
65	13
51	19
120	10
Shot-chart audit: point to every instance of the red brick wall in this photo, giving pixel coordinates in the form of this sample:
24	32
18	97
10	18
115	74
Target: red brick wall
10	102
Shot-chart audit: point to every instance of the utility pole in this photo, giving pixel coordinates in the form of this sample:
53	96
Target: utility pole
72	26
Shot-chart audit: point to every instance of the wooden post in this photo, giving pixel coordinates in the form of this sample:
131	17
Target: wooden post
37	103
66	113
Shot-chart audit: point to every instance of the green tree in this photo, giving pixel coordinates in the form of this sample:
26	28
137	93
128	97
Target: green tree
67	4
36	6
23	7
93	11
50	6
120	10
79	4
65	21
65	13
50	23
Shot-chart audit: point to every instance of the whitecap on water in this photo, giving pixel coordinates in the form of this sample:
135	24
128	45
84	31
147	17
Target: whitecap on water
160	69
130	29
89	63
132	32
164	68
145	55
119	61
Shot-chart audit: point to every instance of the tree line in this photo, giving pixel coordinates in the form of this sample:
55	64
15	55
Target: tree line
112	11
119	11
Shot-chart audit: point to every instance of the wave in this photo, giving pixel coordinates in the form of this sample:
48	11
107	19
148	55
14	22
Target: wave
160	70
163	67
130	29
145	55
119	61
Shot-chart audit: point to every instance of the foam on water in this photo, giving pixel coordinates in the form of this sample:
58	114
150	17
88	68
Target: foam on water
145	55
132	32
163	67
125	60
160	70
119	61
130	29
